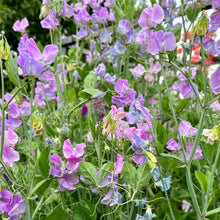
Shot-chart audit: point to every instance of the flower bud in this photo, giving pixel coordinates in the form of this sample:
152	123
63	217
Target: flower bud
4	49
199	29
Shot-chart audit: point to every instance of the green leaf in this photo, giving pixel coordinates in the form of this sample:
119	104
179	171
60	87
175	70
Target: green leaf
58	213
41	189
83	213
36	187
12	70
88	171
182	104
161	136
130	173
191	13
142	176
43	162
177	32
90	80
70	94
202	180
88	92
105	169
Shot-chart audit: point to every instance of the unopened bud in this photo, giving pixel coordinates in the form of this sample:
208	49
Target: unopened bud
199	29
4	49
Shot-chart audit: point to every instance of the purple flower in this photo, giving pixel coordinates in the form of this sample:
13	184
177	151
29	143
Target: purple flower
67	181
138	143
138	71
84	111
198	153
216	4
105	37
30	58
173	145
186	129
11	138
100	70
119	164
143	37
217	47
67	10
119	48
82	33
11	205
131	36
73	155
161	42
186	206
123	27
215	106
110	79
112	197
215	82
151	16
132	116
50	21
10	155
19	26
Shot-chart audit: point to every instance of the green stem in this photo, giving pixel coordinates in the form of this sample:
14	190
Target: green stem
38	207
54	39
2	111
210	182
190	82
198	135
204	72
192	193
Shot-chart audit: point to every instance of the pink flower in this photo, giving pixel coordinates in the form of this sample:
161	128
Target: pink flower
19	26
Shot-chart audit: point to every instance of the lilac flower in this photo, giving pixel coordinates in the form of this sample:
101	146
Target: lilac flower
151	16
20	26
138	143
100	70
215	82
130	36
154	68
132	116
215	106
119	48
197	155
139	159
186	206
11	138
186	129
67	181
110	79
50	21
217	47
167	183
112	197
123	27
161	42
119	164
105	37
138	71
216	4
141	202
11	205
30	58
10	155
143	37
82	33
173	145
67	10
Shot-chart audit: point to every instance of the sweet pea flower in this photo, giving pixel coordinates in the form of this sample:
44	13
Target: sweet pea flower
161	42
186	206
151	16
11	205
50	21
215	82
215	106
138	71
147	216
112	197
186	129
100	70
20	26
123	27
67	10
167	183
173	145
198	153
